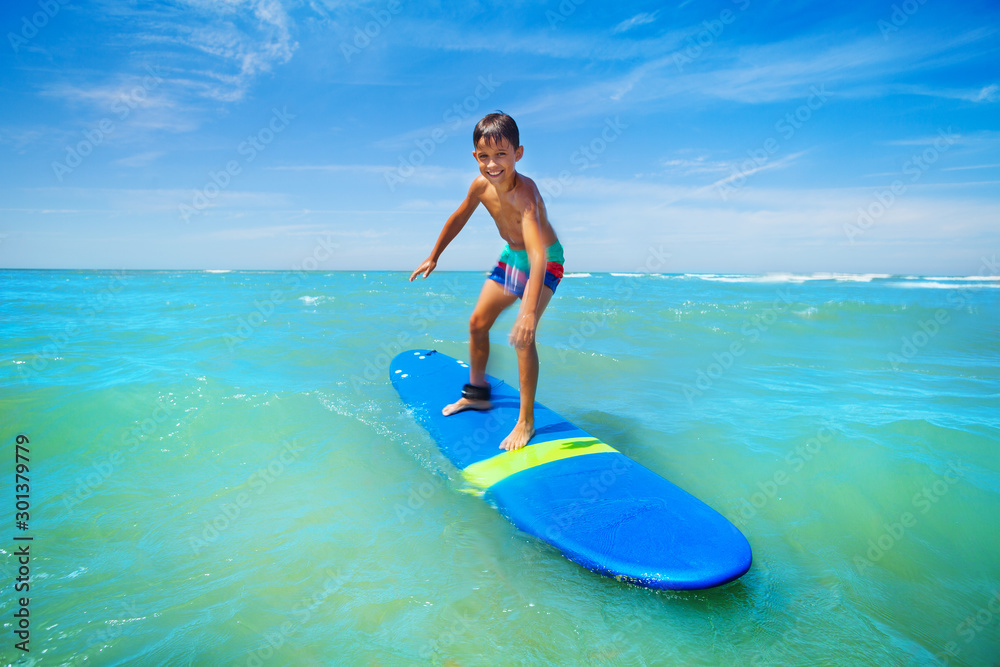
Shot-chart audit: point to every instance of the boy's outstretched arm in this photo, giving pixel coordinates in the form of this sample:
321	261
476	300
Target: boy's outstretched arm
452	227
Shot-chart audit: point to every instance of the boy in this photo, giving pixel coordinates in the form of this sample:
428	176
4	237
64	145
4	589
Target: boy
530	267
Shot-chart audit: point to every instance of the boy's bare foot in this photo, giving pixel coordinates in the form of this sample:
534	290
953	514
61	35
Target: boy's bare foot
465	404
519	437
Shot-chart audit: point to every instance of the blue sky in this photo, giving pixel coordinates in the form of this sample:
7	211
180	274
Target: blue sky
734	136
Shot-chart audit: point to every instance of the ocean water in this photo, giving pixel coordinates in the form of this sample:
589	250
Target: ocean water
221	474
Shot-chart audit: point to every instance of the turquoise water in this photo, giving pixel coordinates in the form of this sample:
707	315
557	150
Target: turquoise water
220	472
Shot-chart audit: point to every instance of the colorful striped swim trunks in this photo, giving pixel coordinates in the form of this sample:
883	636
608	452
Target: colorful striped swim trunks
513	267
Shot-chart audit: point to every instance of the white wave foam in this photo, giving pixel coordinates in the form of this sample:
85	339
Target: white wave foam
576	275
969	279
788	277
715	277
854	277
933	284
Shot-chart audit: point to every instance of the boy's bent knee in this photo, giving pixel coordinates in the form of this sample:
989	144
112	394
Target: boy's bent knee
478	325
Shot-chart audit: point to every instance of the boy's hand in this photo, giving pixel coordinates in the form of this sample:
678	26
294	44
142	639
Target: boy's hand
523	333
425	268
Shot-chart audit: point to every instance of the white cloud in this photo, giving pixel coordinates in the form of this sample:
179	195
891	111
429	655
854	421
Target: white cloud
771	229
642	18
217	48
973	166
741	173
701	164
986	94
729	71
340	168
140	159
448	36
989	93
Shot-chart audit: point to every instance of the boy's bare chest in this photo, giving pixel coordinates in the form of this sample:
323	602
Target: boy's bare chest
507	217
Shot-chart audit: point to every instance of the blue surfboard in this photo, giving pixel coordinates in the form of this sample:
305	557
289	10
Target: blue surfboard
600	508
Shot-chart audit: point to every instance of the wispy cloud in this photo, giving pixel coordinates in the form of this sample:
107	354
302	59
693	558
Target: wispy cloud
696	128
729	71
642	18
979	94
981	139
590	44
424	175
972	166
781	163
698	165
234	42
140	159
339	168
21	138
293	231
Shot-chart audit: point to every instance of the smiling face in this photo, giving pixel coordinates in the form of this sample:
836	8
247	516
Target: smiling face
496	160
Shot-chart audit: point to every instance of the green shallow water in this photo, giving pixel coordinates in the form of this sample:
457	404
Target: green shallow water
222	474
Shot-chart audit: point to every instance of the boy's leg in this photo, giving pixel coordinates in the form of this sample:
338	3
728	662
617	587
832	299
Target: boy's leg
527	366
493	299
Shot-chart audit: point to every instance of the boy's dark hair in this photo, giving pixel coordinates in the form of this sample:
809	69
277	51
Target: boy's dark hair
494	127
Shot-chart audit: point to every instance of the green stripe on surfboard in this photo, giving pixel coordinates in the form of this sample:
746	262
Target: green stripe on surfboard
484	474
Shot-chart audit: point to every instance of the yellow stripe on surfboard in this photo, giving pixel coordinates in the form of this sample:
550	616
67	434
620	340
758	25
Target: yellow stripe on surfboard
484	474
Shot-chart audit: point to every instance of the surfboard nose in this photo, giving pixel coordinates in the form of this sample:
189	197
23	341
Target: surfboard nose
617	517
405	365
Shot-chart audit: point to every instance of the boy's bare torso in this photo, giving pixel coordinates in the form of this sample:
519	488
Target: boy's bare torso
509	210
